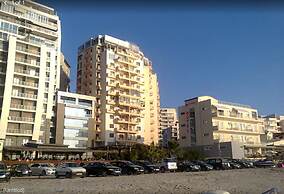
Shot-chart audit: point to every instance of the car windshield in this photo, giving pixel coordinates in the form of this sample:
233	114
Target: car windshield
45	165
72	165
129	163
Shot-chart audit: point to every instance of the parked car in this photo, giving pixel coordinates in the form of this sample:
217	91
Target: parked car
69	170
188	166
244	163
4	172
101	169
128	167
280	164
264	163
21	170
203	165
234	164
219	163
148	166
168	164
43	169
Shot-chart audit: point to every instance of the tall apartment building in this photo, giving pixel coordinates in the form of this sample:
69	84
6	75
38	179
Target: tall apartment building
168	125
206	121
126	88
273	127
30	39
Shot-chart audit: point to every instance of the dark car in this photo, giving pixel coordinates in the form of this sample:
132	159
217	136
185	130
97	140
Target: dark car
4	172
265	163
101	169
203	165
21	170
187	166
128	167
234	164
243	163
219	163
148	166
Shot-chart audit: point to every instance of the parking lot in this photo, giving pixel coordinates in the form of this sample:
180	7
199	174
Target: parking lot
234	181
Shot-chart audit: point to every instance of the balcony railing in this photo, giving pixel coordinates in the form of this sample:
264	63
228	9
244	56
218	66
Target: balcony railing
25	95
24	83
15	118
28	61
21	131
27	72
20	106
20	48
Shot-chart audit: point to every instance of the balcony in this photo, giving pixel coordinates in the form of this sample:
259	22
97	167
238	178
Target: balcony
25	95
235	117
24	83
29	51
23	119
28	61
27	72
24	107
20	131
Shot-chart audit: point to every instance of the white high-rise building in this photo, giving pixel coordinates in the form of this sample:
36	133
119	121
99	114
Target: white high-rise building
30	42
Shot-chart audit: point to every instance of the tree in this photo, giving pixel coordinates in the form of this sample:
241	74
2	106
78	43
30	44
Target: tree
173	148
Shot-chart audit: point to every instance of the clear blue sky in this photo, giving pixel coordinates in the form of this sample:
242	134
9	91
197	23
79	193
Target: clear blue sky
235	55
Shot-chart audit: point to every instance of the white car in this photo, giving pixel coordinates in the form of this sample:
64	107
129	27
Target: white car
42	169
69	170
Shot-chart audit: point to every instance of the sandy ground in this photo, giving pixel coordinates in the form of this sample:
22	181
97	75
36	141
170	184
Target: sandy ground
243	181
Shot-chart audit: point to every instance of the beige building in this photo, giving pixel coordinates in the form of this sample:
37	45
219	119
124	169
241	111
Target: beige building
30	41
75	121
169	126
273	127
121	78
64	74
205	121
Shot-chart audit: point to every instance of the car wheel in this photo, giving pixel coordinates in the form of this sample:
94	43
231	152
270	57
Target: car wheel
56	175
87	174
163	170
43	173
69	175
187	169
104	173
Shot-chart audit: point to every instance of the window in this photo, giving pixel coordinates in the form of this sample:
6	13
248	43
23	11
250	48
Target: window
111	126
111	116
111	135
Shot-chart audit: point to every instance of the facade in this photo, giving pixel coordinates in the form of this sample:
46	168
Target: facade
273	127
64	74
30	42
168	126
75	121
121	78
206	121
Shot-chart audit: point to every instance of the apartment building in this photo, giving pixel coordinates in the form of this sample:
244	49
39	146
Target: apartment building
75	121
273	127
64	74
207	121
126	88
168	126
30	41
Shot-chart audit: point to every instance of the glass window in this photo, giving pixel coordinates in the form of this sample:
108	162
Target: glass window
76	123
